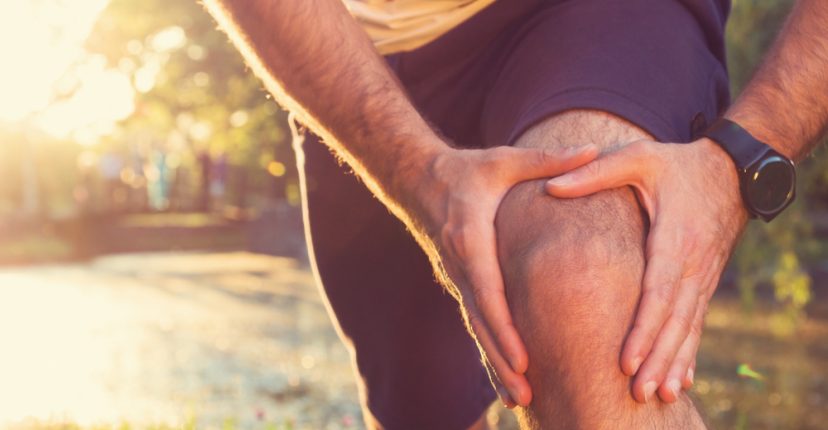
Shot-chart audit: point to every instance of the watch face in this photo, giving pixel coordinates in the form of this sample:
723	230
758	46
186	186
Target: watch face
771	185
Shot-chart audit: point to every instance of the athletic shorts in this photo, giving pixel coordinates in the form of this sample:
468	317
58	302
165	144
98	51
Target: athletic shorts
657	63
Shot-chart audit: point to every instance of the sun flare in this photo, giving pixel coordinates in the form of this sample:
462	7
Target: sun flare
48	80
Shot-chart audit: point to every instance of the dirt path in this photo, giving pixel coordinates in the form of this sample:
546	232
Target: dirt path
163	338
217	338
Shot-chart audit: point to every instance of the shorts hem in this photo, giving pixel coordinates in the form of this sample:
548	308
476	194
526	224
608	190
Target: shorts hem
599	99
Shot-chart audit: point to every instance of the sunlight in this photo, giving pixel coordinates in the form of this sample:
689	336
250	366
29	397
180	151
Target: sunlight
103	97
58	366
41	42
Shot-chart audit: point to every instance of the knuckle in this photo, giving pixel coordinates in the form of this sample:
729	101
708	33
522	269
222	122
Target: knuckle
545	157
446	234
658	364
475	323
695	331
662	295
481	297
663	362
456	237
683	319
693	239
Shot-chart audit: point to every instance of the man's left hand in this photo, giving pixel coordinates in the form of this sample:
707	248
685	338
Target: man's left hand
691	194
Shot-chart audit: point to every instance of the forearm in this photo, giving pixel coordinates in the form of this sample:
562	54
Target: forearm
317	62
786	102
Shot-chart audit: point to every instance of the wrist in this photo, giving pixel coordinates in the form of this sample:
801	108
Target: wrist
719	161
759	130
414	183
718	157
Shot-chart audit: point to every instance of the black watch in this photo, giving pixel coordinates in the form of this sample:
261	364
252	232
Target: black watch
767	179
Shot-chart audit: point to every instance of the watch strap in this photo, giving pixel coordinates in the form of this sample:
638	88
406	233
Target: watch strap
742	147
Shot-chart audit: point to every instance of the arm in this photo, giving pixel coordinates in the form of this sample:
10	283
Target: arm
785	104
317	62
691	194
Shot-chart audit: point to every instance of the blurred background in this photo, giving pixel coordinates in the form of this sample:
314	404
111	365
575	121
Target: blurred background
153	271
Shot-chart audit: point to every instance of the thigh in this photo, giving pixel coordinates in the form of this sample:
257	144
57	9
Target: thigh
418	366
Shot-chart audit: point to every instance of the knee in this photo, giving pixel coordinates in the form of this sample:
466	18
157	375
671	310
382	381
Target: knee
578	257
572	272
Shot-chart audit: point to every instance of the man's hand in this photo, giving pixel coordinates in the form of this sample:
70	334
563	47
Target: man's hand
691	194
454	206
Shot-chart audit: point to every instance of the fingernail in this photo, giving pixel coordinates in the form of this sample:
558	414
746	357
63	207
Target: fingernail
560	181
690	375
636	363
674	386
649	389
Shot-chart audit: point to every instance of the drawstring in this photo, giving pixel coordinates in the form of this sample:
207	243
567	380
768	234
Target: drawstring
297	133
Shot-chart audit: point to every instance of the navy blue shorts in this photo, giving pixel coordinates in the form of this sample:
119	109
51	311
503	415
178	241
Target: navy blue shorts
657	63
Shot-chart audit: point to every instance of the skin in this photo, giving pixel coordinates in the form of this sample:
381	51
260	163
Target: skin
449	197
691	195
573	270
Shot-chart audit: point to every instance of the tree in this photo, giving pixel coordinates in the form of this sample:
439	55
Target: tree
195	93
778	253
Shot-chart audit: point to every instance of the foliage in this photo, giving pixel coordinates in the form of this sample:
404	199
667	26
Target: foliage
194	94
775	254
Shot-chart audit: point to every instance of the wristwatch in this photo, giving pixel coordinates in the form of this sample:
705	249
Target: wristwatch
767	179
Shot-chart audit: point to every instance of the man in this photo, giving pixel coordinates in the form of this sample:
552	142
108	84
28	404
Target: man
476	102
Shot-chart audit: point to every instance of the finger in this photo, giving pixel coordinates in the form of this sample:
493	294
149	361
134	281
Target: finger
678	376
512	387
716	273
479	332
661	278
483	272
682	370
525	164
689	378
615	169
670	339
501	390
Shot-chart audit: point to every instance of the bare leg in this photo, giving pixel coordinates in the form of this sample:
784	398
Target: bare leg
573	272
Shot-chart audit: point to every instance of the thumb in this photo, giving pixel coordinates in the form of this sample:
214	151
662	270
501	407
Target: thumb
625	166
525	164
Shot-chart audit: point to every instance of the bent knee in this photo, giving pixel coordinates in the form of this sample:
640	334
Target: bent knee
572	240
572	272
562	251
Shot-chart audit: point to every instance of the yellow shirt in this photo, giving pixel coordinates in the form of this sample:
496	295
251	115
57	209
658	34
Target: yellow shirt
403	25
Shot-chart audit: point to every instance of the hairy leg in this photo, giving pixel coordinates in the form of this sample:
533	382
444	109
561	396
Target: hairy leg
573	271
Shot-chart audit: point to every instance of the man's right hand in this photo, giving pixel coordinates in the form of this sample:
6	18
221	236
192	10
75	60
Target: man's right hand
453	206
